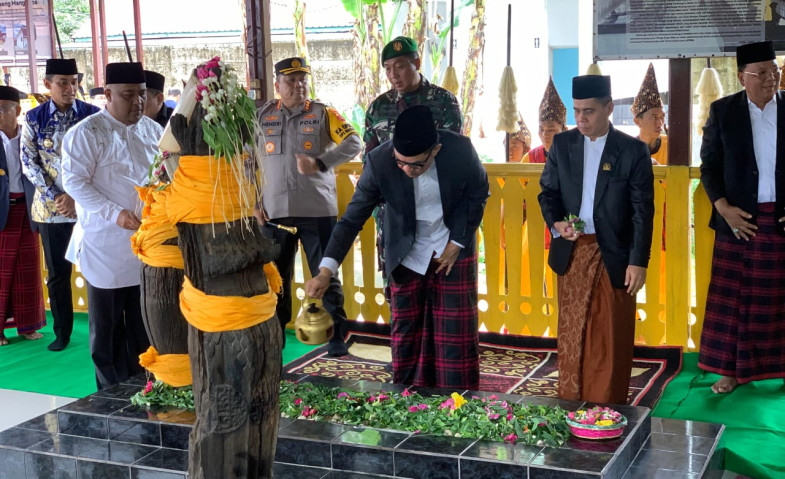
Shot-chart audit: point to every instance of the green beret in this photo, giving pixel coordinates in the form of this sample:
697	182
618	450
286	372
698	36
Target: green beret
397	47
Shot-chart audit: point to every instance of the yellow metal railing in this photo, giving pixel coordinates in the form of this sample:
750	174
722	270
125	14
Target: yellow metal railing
669	312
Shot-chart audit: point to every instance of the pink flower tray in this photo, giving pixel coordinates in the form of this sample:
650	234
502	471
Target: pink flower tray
586	431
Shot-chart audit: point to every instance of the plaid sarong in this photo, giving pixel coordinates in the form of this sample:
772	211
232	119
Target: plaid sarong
434	337
744	326
21	295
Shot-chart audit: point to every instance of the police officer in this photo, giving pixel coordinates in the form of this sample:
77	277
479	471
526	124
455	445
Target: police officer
303	140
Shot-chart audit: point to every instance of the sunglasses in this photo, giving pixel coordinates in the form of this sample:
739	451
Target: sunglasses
414	164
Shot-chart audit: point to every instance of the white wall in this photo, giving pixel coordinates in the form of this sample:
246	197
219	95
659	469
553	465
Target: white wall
563	22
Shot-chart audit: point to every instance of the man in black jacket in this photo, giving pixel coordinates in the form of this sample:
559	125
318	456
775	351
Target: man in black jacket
604	178
434	189
743	173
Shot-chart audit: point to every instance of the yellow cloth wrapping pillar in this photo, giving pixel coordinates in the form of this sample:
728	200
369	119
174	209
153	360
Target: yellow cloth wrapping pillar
147	242
172	369
215	314
206	190
147	245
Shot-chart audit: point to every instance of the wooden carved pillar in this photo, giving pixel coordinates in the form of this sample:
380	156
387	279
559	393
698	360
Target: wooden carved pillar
236	373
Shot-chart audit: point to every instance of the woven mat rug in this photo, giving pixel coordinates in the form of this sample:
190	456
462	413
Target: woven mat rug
522	365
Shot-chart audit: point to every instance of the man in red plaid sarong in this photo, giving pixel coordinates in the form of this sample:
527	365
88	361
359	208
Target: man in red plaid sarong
21	295
434	189
743	173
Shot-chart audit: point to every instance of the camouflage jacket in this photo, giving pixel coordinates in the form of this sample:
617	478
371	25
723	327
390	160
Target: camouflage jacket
381	115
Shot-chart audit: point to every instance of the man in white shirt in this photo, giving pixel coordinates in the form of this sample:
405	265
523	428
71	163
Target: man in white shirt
434	189
603	177
21	296
743	173
104	158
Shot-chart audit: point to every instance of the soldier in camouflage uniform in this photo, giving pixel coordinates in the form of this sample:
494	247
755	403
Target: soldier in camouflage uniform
402	66
409	88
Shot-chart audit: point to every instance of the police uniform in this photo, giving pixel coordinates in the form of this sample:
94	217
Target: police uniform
307	202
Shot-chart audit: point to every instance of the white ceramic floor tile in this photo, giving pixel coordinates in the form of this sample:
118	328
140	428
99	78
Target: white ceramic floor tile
19	406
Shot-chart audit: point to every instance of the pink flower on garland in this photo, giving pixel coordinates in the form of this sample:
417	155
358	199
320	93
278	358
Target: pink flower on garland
148	388
406	393
309	411
422	407
511	438
343	395
213	63
382	397
297	401
413	409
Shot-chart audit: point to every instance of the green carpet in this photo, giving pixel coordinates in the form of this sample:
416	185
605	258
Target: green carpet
29	366
753	414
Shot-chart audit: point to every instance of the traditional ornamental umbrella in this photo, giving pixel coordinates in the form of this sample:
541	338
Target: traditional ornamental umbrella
708	89
508	89
450	76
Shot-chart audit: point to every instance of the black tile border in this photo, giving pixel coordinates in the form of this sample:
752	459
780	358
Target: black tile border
98	417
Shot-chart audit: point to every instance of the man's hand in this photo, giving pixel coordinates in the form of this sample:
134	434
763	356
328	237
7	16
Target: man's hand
65	205
316	286
448	258
736	219
260	214
127	220
306	164
634	279
567	231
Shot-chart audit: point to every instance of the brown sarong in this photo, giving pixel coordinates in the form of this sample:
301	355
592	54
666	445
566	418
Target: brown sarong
596	330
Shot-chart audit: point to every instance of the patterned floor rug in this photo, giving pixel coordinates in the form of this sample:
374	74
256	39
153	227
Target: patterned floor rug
520	365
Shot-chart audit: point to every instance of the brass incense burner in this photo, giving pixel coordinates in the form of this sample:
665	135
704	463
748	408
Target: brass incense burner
314	325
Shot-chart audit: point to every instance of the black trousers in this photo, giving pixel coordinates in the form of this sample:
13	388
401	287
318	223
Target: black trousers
54	240
314	234
117	334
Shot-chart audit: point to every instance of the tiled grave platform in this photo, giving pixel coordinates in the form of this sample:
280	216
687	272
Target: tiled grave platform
104	436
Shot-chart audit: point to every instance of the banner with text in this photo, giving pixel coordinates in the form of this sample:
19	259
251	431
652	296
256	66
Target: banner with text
626	29
15	33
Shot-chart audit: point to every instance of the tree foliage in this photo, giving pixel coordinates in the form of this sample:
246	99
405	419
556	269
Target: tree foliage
70	16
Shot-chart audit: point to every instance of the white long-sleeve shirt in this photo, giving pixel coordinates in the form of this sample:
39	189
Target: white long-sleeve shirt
764	142
103	159
592	154
13	161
